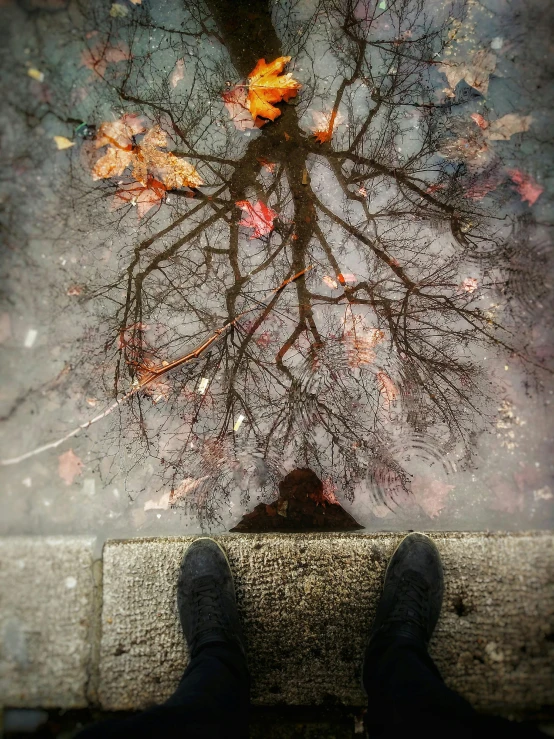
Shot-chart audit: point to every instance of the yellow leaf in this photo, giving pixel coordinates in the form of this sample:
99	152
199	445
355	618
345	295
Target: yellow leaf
268	85
35	74
63	143
118	11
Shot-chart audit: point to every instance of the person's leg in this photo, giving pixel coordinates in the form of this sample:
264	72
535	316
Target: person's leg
212	699
405	689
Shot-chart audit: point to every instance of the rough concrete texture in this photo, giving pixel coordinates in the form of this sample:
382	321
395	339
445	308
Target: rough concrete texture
46	617
307	603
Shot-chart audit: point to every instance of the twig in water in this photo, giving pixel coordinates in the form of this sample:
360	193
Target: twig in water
152	374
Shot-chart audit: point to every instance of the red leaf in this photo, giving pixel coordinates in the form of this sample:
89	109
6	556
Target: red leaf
479	120
259	217
528	189
346	277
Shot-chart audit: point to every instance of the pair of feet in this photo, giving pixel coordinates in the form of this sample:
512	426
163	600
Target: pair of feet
409	606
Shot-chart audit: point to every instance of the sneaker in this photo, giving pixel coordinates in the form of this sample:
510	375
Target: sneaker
412	594
206	597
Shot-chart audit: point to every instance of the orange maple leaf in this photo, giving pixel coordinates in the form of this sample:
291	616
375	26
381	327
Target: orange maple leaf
267	84
325	124
323	136
145	158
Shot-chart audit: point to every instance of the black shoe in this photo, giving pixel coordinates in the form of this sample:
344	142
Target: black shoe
206	597
412	594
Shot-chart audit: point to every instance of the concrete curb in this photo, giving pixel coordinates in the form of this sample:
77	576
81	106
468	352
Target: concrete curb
307	602
77	632
47	611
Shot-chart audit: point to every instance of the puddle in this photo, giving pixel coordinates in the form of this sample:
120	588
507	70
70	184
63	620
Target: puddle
361	286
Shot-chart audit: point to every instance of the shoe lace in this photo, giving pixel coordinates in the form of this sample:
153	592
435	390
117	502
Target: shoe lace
412	600
207	607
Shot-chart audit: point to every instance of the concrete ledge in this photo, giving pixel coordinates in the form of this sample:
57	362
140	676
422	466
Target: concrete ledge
46	617
307	603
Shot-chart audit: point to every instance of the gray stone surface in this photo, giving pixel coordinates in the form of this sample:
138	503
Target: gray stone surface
307	602
46	620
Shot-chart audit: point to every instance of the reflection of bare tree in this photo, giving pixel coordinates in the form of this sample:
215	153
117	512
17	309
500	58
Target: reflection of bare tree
326	375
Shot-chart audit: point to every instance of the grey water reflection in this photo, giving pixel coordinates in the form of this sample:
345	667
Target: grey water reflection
409	365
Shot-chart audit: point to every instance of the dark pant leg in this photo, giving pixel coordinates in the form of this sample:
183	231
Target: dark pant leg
212	701
407	696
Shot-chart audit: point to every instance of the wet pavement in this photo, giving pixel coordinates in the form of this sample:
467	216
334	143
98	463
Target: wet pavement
377	308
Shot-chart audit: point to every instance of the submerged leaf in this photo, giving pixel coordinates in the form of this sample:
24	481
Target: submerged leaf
259	217
330	282
99	56
69	466
476	73
528	189
146	158
178	73
63	143
235	100
143	196
325	124
504	128
479	120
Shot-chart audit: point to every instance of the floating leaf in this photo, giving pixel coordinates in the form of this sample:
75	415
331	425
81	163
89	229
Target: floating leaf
120	133
63	143
259	217
267	85
35	74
